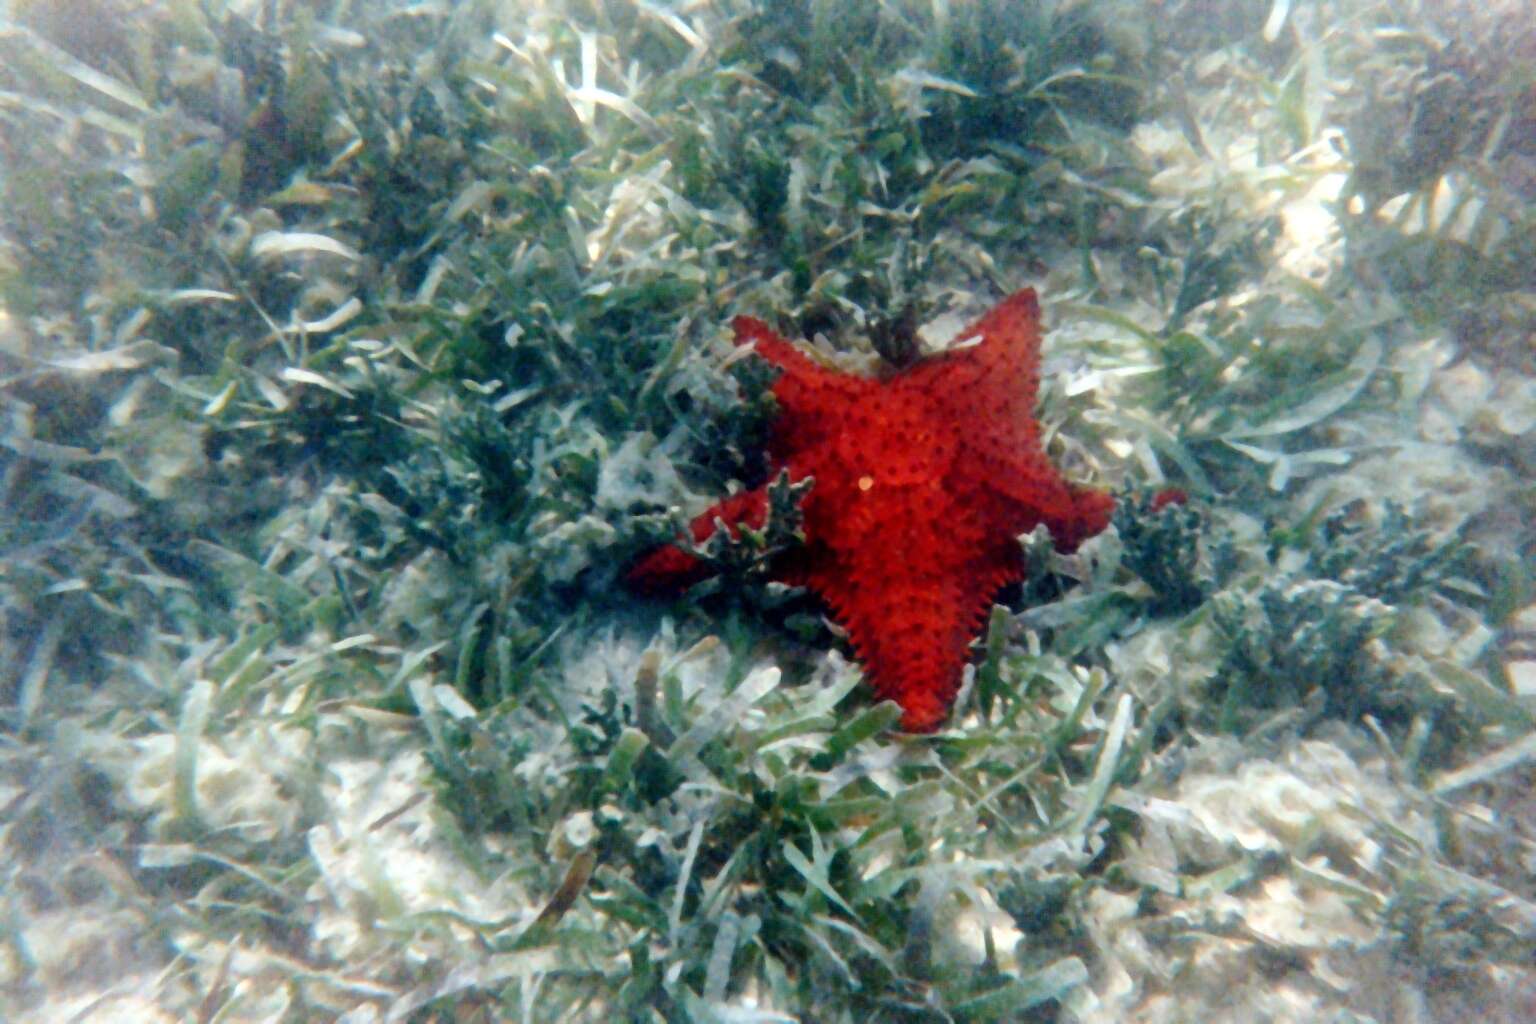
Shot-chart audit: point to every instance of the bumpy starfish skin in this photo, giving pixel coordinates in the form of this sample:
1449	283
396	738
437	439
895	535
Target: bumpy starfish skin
924	480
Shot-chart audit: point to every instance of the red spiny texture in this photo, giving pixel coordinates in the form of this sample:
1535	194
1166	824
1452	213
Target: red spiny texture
924	480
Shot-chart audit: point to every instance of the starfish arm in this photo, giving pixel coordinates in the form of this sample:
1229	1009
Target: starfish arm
1030	492
1087	516
800	373
669	569
997	376
1010	347
911	625
901	636
665	570
910	575
813	400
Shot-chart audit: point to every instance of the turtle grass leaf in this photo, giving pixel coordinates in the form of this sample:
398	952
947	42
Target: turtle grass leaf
1205	254
815	868
1263	385
1327	396
1053	983
1491	765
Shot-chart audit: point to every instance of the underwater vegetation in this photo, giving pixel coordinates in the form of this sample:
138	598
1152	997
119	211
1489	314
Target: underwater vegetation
351	353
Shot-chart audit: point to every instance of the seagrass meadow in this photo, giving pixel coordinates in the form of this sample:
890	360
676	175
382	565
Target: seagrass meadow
351	351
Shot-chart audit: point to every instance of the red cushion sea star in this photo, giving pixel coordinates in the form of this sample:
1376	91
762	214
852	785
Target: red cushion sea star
924	480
